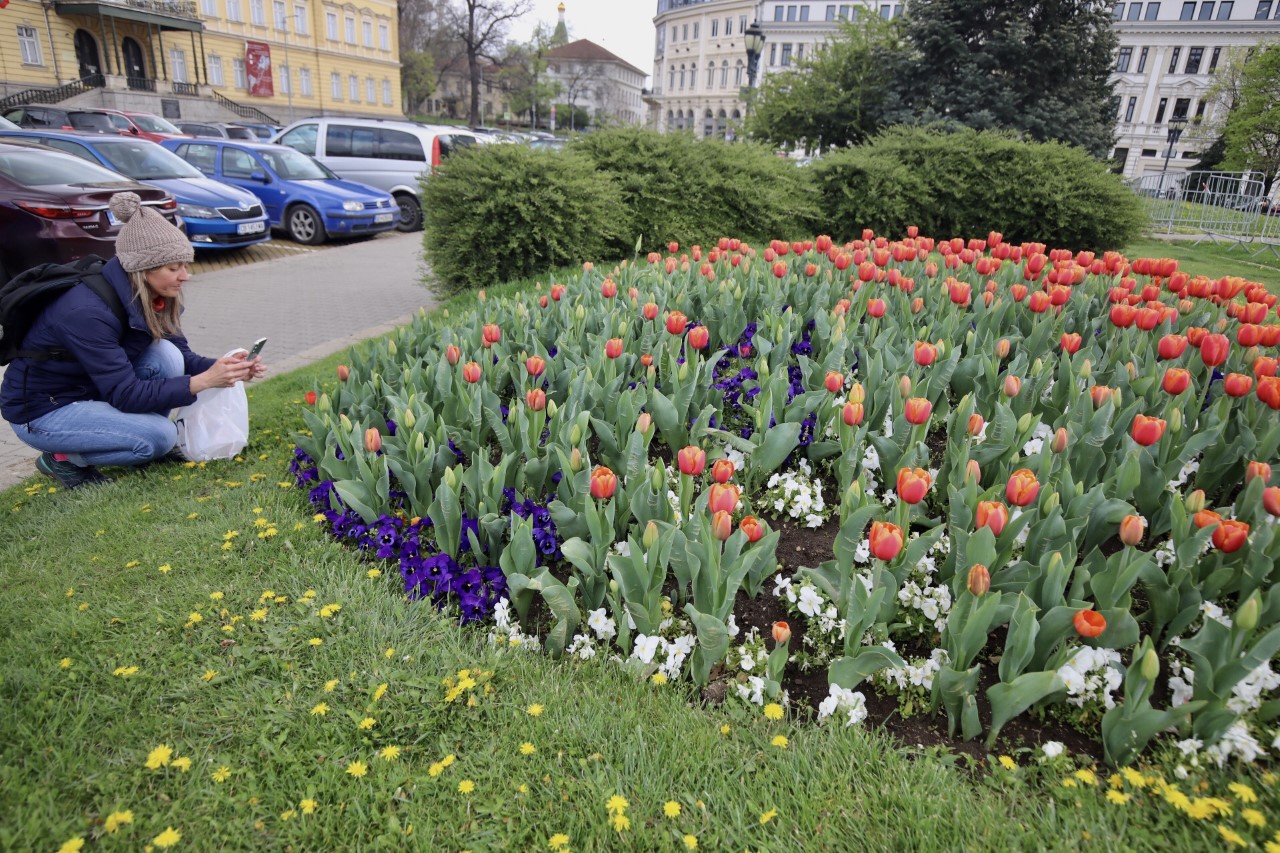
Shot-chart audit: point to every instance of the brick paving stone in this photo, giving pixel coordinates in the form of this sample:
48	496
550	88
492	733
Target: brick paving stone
309	301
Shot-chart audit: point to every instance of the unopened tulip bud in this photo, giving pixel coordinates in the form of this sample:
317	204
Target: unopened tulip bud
1024	422
343	372
409	420
855	489
1037	367
857	394
580	313
1086	368
722	525
763	369
1055	563
323	403
975	425
613	587
904	387
979	581
575	434
345	421
1175	421
1195	501
575	460
644	423
973	471
451	478
1052	502
551	409
650	537
1247	616
1132	369
1255	470
1012	385
683	372
781	633
1060	440
391	347
1002	348
1131	529
1150	665
655	480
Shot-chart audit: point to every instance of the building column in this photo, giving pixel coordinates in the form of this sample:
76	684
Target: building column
194	63
115	46
103	54
164	68
204	62
151	51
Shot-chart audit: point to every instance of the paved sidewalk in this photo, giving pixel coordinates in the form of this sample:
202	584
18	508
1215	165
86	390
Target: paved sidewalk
309	305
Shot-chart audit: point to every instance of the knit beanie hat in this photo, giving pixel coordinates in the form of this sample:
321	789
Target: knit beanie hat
147	240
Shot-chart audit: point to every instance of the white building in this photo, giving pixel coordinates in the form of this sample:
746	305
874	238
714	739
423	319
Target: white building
591	78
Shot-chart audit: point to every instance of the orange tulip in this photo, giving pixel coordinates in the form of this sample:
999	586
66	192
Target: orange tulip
876	307
1271	500
372	440
1206	518
535	365
452	354
1176	380
925	353
1172	346
1131	529
608	289
853	414
471	372
722	470
913	484
536	399
834	381
1257	469
1070	342
676	323
722	525
492	333
975	424
613	347
699	337
343	372
1012	385
723	497
1147	430
692	460
885	539
1237	384
751	528
1089	623
918	410
979	580
603	483
1214	349
781	632
1022	487
1269	391
991	514
1230	535
650	311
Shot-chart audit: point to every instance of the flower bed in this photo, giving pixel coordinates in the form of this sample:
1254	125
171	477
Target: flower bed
1015	452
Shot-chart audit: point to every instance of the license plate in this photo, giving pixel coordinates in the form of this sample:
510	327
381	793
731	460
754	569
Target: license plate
251	227
383	217
111	219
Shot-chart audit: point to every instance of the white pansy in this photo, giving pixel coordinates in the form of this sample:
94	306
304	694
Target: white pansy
599	622
842	701
645	647
810	602
582	647
1051	749
1092	674
1237	742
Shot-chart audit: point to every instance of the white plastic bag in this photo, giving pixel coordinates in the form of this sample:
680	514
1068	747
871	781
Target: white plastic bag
215	426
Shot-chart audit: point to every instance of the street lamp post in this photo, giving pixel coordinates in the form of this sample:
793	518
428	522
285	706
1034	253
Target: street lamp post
754	41
1177	125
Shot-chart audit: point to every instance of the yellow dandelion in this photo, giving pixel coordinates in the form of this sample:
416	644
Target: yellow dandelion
366	724
168	838
448	760
125	671
357	769
320	709
195	617
159	757
132	564
466	786
318	518
221	775
690	842
780	741
522	788
192	515
1008	763
286	814
230	534
330	685
183	763
72	845
71	591
768	816
617	804
216	596
374	573
227	546
1254	818
165	569
259	615
388	653
1117	797
558	841
389	753
773	711
1069	783
1133	777
671	809
527	748
380	691
1087	776
84	605
534	710
658	679
65	663
621	823
329	609
725	729
435	769
308	806
1232	837
115	820
1243	792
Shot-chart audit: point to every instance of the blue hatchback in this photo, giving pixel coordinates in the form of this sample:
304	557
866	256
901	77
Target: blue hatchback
216	216
301	196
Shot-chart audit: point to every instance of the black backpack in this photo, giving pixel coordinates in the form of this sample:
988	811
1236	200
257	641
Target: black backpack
28	293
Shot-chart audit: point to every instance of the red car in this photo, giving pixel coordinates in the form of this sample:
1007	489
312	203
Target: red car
53	207
142	125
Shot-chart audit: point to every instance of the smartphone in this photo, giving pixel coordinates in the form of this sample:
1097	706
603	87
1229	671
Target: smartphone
256	349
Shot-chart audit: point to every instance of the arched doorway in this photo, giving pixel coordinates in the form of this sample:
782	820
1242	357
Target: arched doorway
87	56
135	68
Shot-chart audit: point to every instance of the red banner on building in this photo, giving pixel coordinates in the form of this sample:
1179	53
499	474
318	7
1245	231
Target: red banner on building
257	65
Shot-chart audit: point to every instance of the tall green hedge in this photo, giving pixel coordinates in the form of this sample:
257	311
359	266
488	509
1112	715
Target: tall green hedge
496	213
967	182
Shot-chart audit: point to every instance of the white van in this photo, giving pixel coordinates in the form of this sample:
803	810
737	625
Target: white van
388	154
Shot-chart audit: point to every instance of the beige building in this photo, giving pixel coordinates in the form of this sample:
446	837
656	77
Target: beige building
593	79
261	60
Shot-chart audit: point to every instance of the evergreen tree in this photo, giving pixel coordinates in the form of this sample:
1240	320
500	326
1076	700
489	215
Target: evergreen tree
1040	67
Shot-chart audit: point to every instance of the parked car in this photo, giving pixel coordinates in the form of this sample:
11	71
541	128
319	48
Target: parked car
264	132
212	130
5	124
300	195
217	216
53	207
387	154
144	125
38	115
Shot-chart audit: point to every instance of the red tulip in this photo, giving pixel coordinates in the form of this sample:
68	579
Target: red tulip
1131	529
781	630
1123	315
925	353
722	525
699	337
603	483
1039	302
1176	380
1070	342
310	397
885	539
608	289
535	365
1249	335
1269	391
1172	346
536	399
1060	440
646	359
673	247
991	514
913	484
452	354
1271	500
1214	349
834	381
343	372
492	333
613	347
1230	535
1257	469
650	311
853	414
1147	430
1101	394
557	291
1022	487
979	580
1089	623
676	323
471	372
692	460
1237	384
875	307
917	410
1264	366
722	470
723	497
780	269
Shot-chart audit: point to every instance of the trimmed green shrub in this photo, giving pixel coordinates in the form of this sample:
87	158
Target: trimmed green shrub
496	213
967	182
676	187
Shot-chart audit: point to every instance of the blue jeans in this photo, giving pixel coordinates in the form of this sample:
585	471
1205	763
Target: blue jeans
94	432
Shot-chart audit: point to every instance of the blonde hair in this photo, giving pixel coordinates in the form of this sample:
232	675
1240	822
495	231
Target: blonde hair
163	323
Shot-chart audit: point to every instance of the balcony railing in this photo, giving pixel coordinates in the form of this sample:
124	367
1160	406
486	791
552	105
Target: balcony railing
140	84
185	88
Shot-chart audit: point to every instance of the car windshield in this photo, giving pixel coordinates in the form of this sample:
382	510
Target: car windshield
89	121
293	165
146	161
153	124
44	168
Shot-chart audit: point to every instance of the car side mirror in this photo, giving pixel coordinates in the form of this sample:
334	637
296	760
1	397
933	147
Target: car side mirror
260	177
134	131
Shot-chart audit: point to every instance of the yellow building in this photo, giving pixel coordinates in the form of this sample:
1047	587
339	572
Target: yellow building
263	60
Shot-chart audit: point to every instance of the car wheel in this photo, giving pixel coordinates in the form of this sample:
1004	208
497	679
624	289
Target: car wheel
410	213
304	225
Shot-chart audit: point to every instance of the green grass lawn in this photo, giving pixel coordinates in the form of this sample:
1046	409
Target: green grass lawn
187	654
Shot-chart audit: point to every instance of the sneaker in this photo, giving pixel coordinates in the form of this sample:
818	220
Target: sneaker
69	475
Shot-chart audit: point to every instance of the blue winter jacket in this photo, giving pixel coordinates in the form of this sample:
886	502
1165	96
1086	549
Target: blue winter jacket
100	364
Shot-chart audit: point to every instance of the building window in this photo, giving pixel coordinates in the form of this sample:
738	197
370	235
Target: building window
233	11
1142	59
1153	11
773	54
300	20
1200	110
386	92
384	37
728	26
715	27
1150	152
1206	11
831	13
178	65
684	34
304	82
724	74
737	74
799	52
804	13
215	71
671	78
1213	59
695	30
1128	111
1188	12
1181	107
1164	102
331	26
353	88
1194	56
742	23
366	33
349	26
258	12
1135	11
779	12
681	76
1263	11
335	85
29	42
675	34
371	90
1117	11
1123	60
711	75
693	76
281	15
1115	105
286	80
1225	9
1173	60
237	71
885	11
786	55
209	8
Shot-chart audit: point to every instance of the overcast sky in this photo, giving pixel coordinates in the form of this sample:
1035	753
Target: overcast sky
624	27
